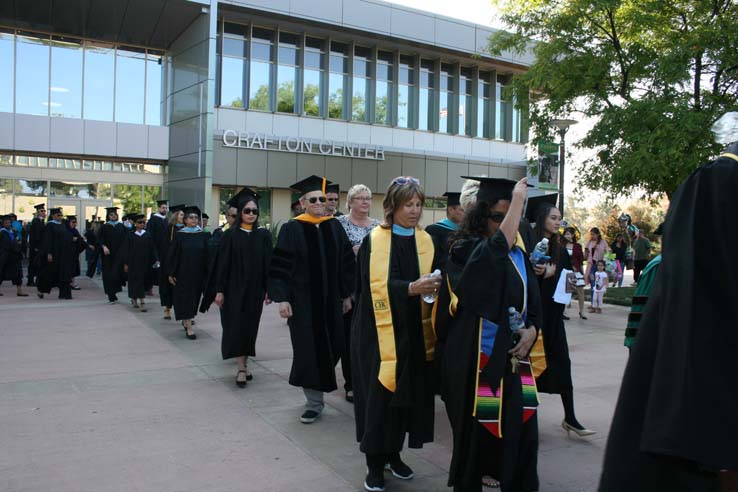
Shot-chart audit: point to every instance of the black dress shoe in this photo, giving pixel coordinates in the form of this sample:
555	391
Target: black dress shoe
74	287
309	417
191	337
239	383
350	396
566	318
374	481
400	470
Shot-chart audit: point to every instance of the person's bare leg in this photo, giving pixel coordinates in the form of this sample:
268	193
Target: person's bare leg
188	326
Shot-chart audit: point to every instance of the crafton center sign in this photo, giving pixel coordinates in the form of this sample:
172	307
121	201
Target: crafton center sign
262	141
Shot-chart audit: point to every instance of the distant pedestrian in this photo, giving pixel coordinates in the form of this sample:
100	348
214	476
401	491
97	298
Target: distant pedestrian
599	288
11	256
176	222
35	237
577	262
620	248
57	252
140	260
642	250
594	252
112	235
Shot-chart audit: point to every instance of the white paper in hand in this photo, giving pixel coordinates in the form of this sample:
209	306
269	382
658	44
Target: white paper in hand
560	296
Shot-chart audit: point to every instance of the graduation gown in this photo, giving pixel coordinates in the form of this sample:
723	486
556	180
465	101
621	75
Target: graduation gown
157	227
58	242
10	258
209	291
188	263
241	275
486	284
674	423
384	418
557	376
312	268
79	246
35	240
163	245
440	232
113	237
91	255
139	255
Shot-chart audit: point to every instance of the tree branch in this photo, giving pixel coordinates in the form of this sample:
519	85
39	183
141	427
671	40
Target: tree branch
697	80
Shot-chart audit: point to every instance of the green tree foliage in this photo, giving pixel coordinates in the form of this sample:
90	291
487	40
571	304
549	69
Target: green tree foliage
311	97
260	99
654	74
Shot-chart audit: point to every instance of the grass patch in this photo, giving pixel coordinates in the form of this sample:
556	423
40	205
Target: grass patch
620	296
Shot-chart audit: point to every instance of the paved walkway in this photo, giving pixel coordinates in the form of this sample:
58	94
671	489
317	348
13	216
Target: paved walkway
95	397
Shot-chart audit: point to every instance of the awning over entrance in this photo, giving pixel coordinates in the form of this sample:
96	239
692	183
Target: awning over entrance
151	23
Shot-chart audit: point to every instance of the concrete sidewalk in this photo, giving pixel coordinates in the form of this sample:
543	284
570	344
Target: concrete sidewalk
98	397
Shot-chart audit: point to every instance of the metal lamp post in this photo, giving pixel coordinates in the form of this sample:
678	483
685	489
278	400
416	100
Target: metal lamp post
562	126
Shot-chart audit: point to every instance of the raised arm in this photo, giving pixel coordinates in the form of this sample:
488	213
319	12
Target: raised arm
510	225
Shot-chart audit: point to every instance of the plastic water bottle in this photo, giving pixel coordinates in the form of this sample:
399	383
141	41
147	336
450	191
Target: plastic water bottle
516	323
431	298
539	252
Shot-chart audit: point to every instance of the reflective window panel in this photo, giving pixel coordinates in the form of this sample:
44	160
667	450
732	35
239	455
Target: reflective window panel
130	84
66	77
312	88
99	72
233	71
32	75
260	85
7	68
405	92
154	88
466	101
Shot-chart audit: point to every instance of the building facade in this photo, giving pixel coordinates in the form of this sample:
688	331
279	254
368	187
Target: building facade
122	102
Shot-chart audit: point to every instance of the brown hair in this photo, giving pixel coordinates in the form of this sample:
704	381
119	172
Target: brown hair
398	195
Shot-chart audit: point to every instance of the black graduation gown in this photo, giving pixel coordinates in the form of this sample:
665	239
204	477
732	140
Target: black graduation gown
79	246
113	237
384	418
157	227
440	236
35	240
557	376
57	241
92	254
487	284
312	268
188	263
528	235
139	254
163	245
241	275
208	295
674	424
10	258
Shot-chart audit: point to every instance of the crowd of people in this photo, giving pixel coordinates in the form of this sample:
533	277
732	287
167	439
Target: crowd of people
461	308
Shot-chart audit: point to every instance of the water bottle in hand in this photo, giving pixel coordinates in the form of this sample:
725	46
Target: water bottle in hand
539	255
516	323
431	298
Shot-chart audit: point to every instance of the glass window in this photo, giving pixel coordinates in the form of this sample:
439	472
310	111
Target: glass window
32	75
6	159
233	65
405	91
27	194
130	84
154	88
289	59
446	99
483	101
72	189
466	100
30	188
260	78
31	161
362	83
427	93
150	195
501	108
66	77
383	91
7	68
313	75
337	80
99	76
6	196
128	197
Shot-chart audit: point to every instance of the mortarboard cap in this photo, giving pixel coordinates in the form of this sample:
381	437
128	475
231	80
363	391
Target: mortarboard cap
452	198
111	209
137	217
660	229
12	216
177	208
6	217
162	202
55	210
311	183
192	209
205	216
40	206
71	218
242	197
491	190
536	205
332	188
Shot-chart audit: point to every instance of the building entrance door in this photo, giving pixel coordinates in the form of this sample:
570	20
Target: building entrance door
84	210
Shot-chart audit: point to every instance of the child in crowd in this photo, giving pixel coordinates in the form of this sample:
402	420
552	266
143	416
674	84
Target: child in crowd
600	287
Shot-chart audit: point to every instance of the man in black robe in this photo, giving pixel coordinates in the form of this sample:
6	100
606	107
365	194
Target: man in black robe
311	277
332	198
441	230
79	246
112	236
139	259
157	226
674	425
56	255
11	255
35	237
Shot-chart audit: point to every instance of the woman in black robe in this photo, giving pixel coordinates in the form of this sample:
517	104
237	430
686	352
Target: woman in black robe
112	235
79	246
488	273
139	259
11	255
57	253
556	378
241	281
176	222
392	349
187	267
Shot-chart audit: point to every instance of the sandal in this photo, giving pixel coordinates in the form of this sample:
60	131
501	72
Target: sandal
490	483
239	383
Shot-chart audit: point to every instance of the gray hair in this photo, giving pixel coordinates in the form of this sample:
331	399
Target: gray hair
355	190
469	194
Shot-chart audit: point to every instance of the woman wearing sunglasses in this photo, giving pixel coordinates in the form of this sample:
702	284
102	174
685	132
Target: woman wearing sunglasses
392	337
240	277
187	264
486	374
139	258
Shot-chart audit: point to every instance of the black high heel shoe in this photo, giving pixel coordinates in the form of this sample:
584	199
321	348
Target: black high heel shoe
582	316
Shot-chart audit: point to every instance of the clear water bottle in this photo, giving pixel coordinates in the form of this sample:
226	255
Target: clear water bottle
516	323
431	298
539	252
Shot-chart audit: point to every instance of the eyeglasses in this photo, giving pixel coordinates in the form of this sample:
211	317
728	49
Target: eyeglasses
403	180
497	218
140	222
249	211
233	216
363	198
332	199
314	199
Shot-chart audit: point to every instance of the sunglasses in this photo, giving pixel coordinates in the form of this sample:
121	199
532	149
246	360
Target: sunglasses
403	180
140	222
497	218
314	199
332	199
249	211
233	216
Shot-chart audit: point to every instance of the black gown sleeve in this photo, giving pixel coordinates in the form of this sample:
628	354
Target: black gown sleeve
282	265
266	257
348	262
223	263
175	250
535	315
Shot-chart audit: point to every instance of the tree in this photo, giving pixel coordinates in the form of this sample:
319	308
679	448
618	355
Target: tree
653	74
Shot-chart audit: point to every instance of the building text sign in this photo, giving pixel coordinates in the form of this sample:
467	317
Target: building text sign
262	141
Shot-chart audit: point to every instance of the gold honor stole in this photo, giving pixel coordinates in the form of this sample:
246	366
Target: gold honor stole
379	265
313	220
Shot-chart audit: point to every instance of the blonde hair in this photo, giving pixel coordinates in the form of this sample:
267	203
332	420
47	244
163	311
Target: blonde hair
355	190
469	194
397	195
